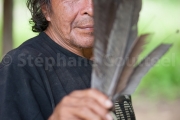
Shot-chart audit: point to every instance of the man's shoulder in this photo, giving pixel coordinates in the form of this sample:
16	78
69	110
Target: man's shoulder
28	48
29	44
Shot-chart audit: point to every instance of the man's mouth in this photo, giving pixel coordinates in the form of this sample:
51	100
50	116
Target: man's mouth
89	28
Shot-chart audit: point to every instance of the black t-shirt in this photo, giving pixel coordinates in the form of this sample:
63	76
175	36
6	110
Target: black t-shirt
36	76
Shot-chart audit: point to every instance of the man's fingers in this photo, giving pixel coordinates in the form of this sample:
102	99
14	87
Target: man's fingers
86	114
86	105
96	95
89	103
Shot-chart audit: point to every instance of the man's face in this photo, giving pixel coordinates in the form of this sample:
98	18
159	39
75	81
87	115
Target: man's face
72	21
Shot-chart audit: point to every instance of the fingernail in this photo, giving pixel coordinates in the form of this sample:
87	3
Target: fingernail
108	103
109	117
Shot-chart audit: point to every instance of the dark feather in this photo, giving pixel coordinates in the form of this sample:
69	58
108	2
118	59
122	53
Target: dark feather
144	66
130	62
115	27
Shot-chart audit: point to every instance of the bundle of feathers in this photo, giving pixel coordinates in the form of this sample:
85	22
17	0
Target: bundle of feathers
117	47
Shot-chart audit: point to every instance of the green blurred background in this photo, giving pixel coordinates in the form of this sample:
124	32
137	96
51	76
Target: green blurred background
162	19
162	84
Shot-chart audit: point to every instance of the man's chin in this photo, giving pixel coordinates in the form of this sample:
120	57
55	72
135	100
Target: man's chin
84	45
84	42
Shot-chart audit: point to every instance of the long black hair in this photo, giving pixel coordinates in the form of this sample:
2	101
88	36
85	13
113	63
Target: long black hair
38	20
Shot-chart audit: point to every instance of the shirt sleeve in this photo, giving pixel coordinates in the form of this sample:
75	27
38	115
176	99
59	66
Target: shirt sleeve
18	93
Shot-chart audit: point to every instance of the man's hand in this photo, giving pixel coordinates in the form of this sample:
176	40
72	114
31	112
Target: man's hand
83	105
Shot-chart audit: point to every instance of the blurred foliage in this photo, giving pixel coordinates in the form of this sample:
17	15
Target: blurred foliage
159	17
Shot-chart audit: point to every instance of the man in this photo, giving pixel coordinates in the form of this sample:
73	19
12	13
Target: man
48	76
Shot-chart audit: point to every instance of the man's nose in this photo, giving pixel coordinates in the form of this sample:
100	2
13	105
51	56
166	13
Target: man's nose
88	7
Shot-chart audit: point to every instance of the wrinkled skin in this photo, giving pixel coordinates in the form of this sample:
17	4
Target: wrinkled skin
71	26
83	105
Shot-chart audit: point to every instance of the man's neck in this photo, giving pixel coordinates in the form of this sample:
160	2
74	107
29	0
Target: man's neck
83	52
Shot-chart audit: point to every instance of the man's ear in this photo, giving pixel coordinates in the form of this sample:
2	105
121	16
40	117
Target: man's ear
46	12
